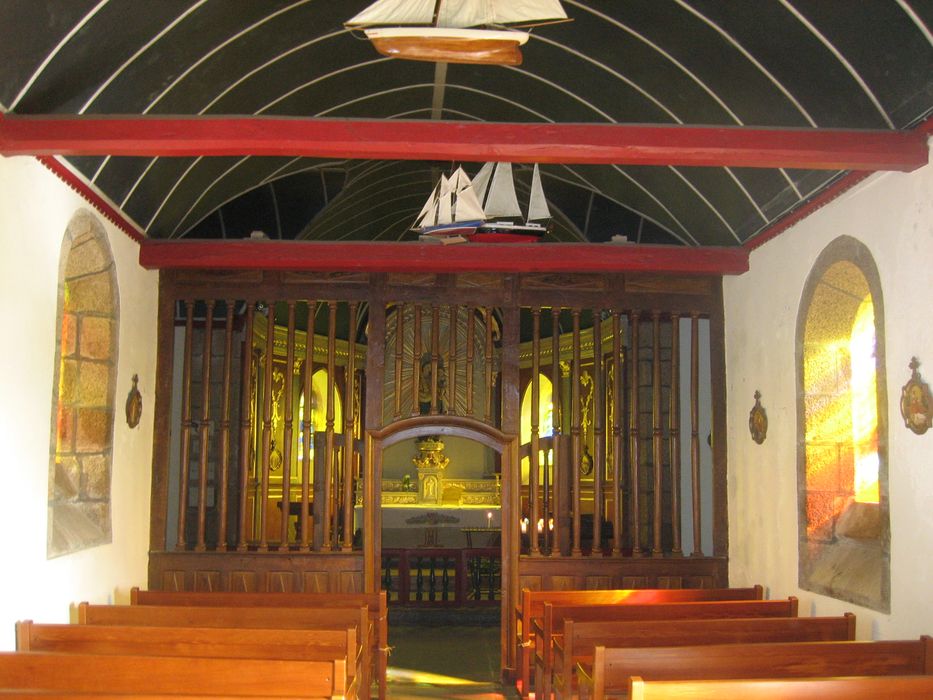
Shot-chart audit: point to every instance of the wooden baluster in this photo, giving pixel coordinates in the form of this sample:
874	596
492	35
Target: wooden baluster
677	549
471	319
204	432
223	486
695	431
349	420
416	364
556	462
399	354
634	449
657	432
617	405
490	379
307	428
533	460
246	423
576	446
267	428
435	355
451	406
328	490
186	427
287	426
599	434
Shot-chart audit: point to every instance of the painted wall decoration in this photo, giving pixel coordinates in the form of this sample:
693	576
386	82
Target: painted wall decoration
758	420
916	401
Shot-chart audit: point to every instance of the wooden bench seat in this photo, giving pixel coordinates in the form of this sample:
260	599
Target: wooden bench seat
577	640
376	602
531	606
241	616
609	674
545	627
843	688
219	642
131	675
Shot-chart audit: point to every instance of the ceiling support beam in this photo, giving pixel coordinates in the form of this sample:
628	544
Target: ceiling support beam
463	141
430	257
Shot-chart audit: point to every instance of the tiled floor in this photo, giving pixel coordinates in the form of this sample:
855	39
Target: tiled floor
445	655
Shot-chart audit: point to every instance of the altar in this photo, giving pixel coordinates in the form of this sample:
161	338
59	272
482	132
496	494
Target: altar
434	510
411	526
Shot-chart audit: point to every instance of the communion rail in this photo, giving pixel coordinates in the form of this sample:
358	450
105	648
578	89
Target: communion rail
442	577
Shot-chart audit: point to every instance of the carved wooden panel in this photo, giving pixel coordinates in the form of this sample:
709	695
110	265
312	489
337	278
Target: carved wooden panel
580	283
315	581
207	581
669	285
670	582
280	582
244	581
328	277
173	581
634	582
480	280
598	583
424	279
532	583
564	583
350	582
217	276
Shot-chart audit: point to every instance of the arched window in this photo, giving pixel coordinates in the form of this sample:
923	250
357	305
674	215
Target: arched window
842	461
545	421
85	385
320	382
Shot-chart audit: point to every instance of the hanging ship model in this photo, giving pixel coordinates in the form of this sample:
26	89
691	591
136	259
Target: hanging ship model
454	31
484	209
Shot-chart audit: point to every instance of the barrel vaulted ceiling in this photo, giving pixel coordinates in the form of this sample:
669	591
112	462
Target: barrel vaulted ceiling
784	64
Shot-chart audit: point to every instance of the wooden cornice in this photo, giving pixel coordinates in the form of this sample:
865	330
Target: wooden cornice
429	257
41	135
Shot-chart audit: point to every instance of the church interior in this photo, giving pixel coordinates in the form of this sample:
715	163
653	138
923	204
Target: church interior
271	332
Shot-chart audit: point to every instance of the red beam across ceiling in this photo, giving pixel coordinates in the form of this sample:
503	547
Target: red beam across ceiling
430	257
463	141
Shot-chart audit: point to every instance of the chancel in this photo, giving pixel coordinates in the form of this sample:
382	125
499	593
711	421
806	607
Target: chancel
703	367
455	492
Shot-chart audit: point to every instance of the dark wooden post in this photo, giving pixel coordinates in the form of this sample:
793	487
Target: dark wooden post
204	429
185	426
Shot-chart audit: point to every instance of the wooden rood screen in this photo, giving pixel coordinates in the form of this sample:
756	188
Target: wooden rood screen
610	388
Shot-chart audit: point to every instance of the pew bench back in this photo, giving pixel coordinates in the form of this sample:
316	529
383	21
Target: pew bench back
126	674
843	688
376	602
219	642
578	640
531	607
612	667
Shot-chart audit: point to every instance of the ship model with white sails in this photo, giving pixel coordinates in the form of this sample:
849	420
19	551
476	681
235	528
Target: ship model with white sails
484	209
454	31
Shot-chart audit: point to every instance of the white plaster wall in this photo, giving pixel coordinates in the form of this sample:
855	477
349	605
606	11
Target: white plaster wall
35	208
892	214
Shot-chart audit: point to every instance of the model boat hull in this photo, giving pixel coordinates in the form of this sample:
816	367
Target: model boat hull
449	45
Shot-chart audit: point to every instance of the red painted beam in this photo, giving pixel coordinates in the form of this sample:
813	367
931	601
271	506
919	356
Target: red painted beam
463	141
430	257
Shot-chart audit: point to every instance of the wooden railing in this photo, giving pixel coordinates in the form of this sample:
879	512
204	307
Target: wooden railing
442	577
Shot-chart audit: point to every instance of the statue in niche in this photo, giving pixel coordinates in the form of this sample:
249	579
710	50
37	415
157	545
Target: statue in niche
424	386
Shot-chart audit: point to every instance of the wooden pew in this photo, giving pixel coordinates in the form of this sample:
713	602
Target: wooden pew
552	619
218	642
843	688
376	602
241	616
114	673
531	605
609	674
577	640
